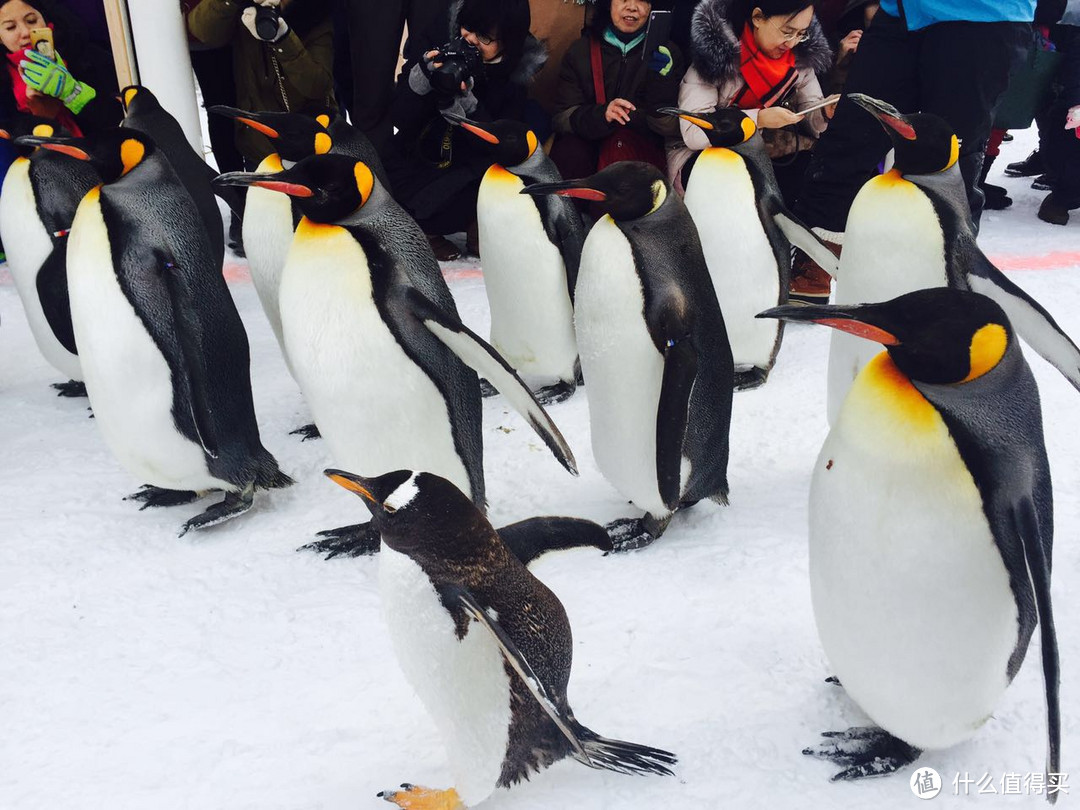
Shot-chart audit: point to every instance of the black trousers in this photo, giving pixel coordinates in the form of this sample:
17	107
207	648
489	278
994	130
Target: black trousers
956	70
374	39
1060	147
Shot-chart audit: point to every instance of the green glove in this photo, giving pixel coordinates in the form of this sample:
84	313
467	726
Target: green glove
53	79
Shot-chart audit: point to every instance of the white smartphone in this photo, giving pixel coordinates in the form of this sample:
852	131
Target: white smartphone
825	102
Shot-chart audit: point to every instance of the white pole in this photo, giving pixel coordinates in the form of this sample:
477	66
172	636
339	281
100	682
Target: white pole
157	27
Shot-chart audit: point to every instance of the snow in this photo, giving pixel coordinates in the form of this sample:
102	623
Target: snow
225	671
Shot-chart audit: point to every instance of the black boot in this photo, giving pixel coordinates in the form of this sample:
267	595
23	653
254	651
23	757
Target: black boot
1028	167
997	198
236	235
1053	212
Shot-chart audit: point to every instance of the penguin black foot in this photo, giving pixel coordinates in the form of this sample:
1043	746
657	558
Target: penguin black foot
630	534
550	394
865	750
358	540
751	378
307	432
414	797
72	388
150	495
233	505
487	389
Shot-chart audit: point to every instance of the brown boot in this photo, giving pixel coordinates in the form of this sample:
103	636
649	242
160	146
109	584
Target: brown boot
810	284
443	248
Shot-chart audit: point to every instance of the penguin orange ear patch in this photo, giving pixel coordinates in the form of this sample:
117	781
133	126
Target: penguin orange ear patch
987	348
365	180
129	95
44	130
748	128
323	120
322	143
131	154
530	139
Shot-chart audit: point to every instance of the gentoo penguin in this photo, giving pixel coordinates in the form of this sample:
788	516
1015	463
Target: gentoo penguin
931	527
744	228
653	348
143	112
530	249
40	194
911	228
375	340
485	644
163	350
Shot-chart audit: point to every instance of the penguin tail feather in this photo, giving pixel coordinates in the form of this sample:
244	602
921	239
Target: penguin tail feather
620	756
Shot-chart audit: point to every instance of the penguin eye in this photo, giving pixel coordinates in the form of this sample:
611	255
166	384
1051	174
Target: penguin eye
388	509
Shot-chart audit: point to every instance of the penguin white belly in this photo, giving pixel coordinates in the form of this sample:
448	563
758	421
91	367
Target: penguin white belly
893	245
532	319
723	204
268	232
910	594
28	245
377	409
623	368
128	380
463	683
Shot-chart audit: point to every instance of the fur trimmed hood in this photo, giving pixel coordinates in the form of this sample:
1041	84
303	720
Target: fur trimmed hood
715	45
533	55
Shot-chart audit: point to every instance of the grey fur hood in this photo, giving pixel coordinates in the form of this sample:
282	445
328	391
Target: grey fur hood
715	45
533	55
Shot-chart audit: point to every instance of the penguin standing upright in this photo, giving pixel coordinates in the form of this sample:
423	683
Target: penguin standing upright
485	645
375	340
144	113
931	527
653	348
746	235
163	349
40	195
911	228
530	249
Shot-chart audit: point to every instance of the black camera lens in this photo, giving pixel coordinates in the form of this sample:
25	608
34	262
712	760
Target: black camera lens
460	62
266	22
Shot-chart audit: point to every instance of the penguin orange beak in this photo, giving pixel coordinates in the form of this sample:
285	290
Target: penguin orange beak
686	116
247	118
472	127
267	181
886	114
852	320
353	483
55	146
567	188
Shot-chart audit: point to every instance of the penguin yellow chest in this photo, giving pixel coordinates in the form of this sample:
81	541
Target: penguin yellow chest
532	320
910	594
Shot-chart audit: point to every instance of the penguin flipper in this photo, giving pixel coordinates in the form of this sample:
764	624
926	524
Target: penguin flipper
52	289
478	354
528	540
807	241
680	369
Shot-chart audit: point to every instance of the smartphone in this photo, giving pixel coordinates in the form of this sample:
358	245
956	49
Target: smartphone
825	102
41	40
657	32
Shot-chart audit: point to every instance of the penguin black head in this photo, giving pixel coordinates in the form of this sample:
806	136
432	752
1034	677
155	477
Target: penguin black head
32	125
137	100
413	510
939	335
511	142
626	190
327	188
923	143
726	126
294	136
112	152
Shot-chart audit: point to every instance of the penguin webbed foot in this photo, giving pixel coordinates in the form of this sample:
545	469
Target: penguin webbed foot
630	534
307	432
750	378
151	496
414	797
71	388
487	389
865	750
232	505
550	394
357	540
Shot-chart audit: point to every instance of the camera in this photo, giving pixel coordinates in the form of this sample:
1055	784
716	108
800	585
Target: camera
460	62
266	22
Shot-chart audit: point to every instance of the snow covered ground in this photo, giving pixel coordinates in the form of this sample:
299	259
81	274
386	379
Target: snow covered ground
224	671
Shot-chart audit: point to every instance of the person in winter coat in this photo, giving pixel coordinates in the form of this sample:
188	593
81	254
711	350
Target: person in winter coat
291	71
435	168
635	84
755	54
1060	125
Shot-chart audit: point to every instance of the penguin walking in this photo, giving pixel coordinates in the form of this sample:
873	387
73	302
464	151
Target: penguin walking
911	228
530	249
163	349
375	339
144	113
746	235
653	348
40	195
931	527
460	605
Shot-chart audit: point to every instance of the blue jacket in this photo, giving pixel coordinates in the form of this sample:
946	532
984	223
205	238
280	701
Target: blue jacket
921	13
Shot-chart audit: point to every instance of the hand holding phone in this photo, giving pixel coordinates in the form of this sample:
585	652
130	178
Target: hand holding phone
817	105
657	32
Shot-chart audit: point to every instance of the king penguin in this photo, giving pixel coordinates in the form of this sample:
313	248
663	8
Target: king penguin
653	349
163	349
530	249
931	527
40	195
911	228
746	235
375	340
485	645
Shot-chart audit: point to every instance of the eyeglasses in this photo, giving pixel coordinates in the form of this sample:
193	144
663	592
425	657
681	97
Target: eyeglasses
791	36
481	38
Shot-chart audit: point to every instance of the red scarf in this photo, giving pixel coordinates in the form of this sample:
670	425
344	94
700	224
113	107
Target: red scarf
766	79
40	105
